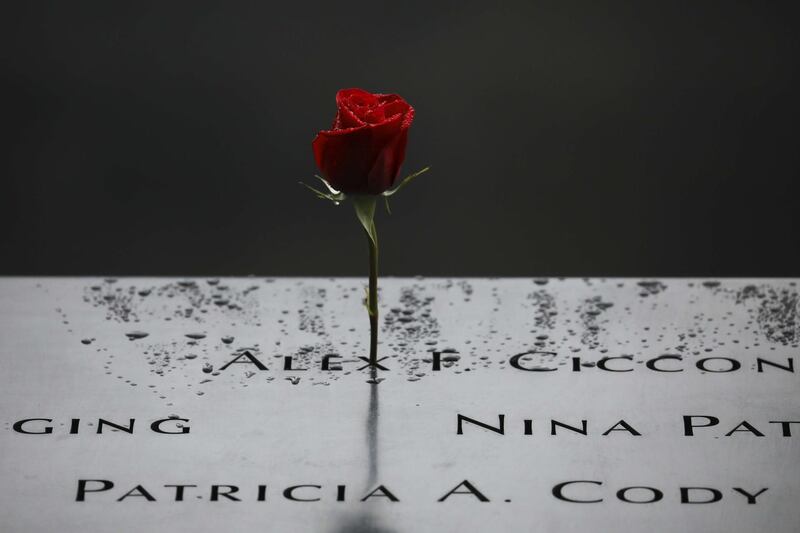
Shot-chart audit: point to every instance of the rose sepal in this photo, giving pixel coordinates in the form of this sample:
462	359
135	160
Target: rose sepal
338	197
333	195
405	181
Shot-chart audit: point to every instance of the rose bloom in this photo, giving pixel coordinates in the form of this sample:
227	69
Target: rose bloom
363	151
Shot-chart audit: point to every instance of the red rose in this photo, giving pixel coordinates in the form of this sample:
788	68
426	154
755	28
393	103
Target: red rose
363	151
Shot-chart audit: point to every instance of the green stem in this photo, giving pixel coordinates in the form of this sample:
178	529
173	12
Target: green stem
372	297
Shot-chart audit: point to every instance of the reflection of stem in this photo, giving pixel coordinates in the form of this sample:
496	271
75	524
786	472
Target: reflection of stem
372	298
372	431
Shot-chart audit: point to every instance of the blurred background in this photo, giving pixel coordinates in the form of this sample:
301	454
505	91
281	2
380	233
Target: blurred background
565	138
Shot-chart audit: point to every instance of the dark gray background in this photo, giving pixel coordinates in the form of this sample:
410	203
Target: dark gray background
565	138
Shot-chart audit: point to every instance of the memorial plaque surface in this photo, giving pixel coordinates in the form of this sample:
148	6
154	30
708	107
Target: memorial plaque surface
142	404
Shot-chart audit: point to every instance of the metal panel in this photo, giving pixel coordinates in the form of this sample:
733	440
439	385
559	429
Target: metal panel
242	362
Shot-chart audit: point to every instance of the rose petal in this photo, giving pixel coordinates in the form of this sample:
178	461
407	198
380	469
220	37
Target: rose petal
343	157
364	150
346	119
